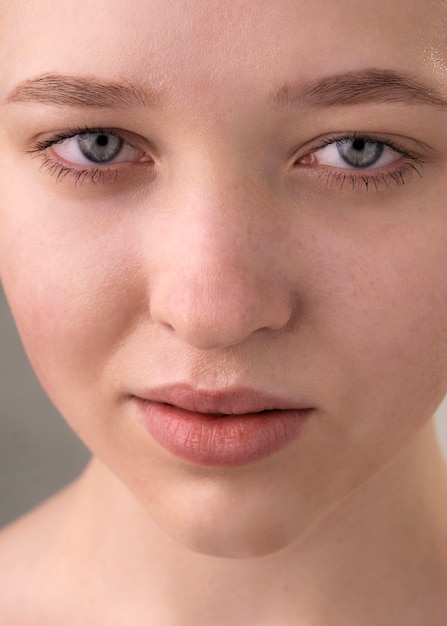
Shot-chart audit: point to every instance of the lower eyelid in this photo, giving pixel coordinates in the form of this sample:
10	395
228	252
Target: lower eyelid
77	174
394	175
60	172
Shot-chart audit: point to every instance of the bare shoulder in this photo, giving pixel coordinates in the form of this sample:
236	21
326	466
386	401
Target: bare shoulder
27	572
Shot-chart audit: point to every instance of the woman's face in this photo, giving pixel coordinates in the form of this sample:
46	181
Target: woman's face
220	197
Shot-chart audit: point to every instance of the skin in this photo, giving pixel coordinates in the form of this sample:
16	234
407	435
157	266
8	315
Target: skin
229	264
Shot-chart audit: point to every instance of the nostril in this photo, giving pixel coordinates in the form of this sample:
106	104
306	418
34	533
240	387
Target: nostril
210	309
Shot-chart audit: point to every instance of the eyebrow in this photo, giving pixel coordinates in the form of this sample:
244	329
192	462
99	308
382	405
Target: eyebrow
79	92
363	87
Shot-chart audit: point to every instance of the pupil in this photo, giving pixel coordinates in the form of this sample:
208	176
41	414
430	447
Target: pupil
102	140
358	144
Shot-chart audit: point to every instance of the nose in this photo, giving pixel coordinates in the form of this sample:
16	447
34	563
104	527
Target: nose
218	274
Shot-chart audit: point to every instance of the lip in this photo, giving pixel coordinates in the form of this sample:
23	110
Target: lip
220	429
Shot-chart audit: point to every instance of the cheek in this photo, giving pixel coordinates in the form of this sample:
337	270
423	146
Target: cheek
74	298
386	326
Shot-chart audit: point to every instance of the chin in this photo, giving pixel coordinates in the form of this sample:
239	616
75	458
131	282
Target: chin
228	521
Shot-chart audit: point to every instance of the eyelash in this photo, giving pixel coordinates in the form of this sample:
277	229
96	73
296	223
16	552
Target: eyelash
367	178
332	176
376	181
53	167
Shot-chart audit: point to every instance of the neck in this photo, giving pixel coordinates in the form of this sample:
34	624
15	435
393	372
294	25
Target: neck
391	529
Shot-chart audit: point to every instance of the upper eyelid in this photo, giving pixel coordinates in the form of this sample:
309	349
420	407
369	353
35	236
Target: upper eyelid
319	141
367	138
398	151
58	137
408	147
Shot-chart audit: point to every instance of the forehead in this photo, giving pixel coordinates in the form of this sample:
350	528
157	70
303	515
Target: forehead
183	45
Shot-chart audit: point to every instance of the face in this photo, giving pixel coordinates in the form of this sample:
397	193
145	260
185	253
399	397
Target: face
233	216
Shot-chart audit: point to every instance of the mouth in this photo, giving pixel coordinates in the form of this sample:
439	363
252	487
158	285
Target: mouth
220	429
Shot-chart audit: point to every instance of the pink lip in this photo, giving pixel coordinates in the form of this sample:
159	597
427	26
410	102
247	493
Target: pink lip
220	429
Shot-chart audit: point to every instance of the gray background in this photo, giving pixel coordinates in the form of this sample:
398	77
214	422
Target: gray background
38	451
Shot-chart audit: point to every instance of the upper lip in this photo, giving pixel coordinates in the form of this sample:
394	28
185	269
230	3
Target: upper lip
223	402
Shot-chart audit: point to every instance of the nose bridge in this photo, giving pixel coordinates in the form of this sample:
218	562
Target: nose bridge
219	280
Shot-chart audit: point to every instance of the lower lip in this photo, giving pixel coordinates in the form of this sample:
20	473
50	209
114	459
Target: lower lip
228	441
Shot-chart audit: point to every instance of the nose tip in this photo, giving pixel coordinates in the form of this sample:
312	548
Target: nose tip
208	311
220	272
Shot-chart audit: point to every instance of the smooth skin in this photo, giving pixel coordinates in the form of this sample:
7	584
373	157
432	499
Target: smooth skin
224	251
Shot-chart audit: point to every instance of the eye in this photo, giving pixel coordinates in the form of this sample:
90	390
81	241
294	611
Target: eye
357	161
96	148
353	153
